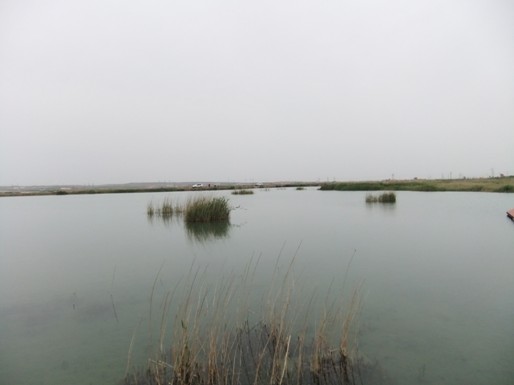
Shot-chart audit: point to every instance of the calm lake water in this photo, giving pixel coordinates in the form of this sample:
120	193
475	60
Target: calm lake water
436	276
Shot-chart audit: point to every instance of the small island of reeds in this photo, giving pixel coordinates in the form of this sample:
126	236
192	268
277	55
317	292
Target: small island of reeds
198	209
206	209
242	192
387	197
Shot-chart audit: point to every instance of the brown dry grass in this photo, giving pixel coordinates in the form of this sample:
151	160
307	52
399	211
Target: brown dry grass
219	339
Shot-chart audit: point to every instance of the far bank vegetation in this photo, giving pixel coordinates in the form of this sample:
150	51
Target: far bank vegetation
504	184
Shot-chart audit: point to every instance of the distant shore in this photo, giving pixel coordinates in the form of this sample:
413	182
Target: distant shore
504	184
15	191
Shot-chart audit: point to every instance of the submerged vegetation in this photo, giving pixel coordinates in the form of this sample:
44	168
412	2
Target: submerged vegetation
388	197
217	339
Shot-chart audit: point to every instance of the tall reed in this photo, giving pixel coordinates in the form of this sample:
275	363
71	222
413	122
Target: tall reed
206	209
165	210
219	338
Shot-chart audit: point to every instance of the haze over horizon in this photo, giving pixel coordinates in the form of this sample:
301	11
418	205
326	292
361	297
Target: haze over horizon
107	92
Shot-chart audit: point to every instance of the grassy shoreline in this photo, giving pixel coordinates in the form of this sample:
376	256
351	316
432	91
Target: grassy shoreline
497	184
122	189
503	184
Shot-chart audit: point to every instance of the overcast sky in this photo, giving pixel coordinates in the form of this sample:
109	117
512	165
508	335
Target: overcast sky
115	91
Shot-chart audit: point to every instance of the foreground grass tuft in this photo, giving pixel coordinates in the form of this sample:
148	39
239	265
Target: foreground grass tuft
217	339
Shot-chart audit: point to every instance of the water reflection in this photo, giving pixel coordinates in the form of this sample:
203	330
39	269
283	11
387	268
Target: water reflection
205	232
167	220
196	231
387	208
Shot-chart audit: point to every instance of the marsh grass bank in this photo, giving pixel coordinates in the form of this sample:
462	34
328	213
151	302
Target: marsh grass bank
63	190
500	184
503	184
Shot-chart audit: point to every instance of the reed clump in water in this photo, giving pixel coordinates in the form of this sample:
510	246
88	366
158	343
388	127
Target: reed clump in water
165	210
218	340
206	209
242	192
388	197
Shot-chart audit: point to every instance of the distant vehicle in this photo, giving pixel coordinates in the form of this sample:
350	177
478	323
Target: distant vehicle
259	184
197	185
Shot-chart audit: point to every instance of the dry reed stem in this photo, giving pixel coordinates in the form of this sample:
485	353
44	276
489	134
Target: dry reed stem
209	346
129	354
112	297
151	300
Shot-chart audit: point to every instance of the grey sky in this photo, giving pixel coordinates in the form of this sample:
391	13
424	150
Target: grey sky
101	91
